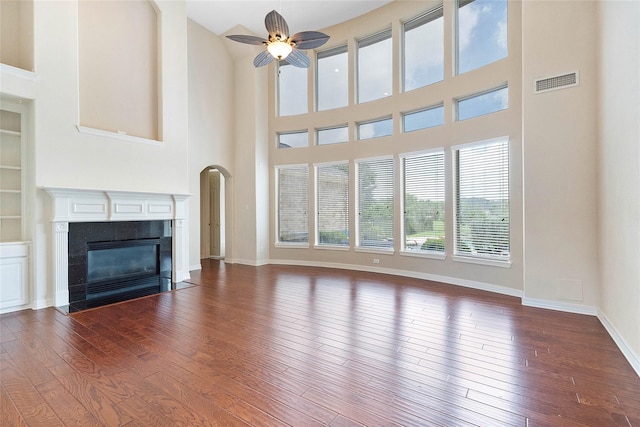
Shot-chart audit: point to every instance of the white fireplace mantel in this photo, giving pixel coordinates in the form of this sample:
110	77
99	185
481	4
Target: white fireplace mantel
81	205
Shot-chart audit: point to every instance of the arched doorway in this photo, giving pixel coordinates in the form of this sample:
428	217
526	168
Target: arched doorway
214	216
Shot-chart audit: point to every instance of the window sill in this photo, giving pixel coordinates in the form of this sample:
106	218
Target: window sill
292	245
482	261
429	255
332	248
375	250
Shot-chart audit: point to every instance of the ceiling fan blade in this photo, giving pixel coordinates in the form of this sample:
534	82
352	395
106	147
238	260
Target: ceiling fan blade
247	39
276	25
299	59
309	39
262	59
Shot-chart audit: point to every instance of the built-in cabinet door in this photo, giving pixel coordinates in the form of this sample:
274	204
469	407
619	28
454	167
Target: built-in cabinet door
14	275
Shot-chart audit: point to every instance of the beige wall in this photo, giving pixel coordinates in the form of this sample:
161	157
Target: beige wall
507	122
619	170
211	120
560	156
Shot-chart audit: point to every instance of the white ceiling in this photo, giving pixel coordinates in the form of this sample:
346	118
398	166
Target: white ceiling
302	15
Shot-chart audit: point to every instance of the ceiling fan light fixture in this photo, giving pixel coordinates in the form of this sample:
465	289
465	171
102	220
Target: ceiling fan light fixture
279	49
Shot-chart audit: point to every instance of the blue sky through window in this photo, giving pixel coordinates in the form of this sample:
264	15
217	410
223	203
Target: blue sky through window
482	33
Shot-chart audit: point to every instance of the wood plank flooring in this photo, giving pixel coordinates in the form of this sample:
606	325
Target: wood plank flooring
301	346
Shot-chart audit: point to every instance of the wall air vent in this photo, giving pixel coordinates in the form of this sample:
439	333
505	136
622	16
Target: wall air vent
561	81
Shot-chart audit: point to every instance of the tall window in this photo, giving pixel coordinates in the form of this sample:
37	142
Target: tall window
424	50
292	90
293	204
423	202
482	33
332	190
482	199
375	203
333	78
374	67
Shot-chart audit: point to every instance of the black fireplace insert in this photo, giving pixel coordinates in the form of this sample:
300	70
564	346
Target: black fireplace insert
116	261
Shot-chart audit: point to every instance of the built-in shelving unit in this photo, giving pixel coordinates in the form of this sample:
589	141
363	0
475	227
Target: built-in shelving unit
11	160
14	250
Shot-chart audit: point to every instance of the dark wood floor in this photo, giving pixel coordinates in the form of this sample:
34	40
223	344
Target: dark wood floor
308	346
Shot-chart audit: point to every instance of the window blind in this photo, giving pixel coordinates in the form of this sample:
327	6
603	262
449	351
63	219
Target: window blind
375	203
332	189
482	200
423	202
293	204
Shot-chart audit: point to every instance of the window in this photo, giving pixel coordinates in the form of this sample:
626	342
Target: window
293	140
292	90
333	78
374	67
422	119
293	204
423	202
482	33
332	189
333	135
424	50
375	204
375	129
482	200
484	103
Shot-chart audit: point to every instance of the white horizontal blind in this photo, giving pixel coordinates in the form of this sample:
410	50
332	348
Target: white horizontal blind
423	198
293	204
332	187
375	203
482	200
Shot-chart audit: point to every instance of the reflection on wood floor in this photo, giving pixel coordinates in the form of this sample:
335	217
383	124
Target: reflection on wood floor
302	346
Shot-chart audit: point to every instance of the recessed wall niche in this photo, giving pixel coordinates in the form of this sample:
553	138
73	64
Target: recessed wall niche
118	65
16	33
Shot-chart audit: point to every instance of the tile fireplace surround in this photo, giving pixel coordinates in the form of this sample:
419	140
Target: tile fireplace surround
79	205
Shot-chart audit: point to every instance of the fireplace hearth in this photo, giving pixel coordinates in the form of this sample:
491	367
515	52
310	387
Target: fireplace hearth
117	261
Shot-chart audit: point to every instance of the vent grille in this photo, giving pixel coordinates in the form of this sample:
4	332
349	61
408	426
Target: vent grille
556	82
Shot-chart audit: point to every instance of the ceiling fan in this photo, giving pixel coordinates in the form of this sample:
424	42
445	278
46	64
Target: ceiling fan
280	45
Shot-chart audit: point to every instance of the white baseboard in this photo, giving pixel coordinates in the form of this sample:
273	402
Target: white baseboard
252	263
195	267
567	307
406	273
627	351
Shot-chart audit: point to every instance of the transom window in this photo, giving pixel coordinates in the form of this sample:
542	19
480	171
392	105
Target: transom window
293	140
375	128
483	103
422	119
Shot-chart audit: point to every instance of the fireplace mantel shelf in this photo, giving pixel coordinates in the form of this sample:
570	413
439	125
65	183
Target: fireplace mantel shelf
80	205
